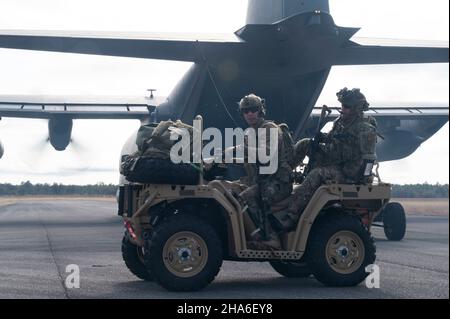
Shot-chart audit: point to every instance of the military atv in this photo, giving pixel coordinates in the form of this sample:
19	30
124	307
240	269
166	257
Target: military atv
178	235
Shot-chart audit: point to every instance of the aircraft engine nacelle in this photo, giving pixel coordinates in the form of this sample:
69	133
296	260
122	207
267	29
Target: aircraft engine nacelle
59	132
397	145
1	149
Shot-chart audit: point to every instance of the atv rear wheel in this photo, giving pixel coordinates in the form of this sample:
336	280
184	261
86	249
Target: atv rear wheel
340	248
133	256
394	221
184	254
291	269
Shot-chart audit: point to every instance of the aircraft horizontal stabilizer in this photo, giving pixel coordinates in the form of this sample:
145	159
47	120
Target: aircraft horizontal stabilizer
390	51
166	46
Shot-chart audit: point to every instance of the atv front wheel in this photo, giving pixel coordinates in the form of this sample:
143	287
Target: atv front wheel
339	250
133	257
184	254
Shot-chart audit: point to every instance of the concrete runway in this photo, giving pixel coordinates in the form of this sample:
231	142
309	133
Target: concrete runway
39	239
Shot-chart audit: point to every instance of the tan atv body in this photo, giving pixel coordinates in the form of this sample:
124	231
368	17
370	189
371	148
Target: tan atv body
182	233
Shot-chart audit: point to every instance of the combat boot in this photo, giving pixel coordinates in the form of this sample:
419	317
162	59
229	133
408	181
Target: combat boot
270	245
273	243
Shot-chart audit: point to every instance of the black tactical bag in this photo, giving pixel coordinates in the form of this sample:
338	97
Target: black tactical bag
151	164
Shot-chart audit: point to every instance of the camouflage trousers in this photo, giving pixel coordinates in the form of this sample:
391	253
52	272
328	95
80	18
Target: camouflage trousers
317	177
266	193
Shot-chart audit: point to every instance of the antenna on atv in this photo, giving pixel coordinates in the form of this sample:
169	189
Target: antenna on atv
200	119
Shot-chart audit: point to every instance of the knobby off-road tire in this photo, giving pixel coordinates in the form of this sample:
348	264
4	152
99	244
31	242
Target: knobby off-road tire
134	259
339	250
184	253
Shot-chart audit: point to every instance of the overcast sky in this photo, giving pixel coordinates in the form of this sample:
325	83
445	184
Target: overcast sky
27	157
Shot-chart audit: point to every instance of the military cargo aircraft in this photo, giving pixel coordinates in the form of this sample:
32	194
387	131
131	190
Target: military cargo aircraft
297	44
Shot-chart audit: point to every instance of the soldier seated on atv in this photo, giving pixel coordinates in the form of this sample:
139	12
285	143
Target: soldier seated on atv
263	190
340	156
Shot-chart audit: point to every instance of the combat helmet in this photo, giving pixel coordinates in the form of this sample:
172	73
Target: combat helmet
353	99
253	101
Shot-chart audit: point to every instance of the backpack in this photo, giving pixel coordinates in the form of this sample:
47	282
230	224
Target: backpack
152	160
144	133
154	140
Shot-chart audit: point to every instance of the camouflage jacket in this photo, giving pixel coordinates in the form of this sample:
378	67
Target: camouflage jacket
283	171
348	144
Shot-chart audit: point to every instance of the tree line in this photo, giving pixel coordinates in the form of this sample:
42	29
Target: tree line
420	191
26	188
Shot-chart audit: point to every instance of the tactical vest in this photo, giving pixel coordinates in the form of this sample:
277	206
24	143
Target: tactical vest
351	144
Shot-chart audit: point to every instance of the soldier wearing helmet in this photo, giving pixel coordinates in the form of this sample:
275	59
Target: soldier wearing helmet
263	190
353	99
341	155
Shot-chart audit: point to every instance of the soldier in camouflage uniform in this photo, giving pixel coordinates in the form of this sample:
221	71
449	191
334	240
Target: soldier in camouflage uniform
263	190
341	155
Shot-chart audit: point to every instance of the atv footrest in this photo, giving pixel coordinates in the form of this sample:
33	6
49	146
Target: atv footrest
267	254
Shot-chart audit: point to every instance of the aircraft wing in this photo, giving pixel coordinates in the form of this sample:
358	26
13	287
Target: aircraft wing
166	46
402	129
364	51
77	107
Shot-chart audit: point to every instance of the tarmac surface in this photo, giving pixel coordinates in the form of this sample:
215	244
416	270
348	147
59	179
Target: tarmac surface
38	240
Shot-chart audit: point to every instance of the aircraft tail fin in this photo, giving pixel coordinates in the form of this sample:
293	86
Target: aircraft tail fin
271	11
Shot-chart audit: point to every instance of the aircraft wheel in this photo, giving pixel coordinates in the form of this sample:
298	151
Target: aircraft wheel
394	221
